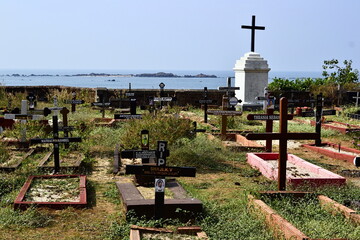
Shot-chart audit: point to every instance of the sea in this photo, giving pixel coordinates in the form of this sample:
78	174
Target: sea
67	78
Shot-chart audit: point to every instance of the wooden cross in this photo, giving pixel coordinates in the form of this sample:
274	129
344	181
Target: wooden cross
74	102
283	137
253	27
160	171
269	117
102	105
318	116
55	141
24	116
357	99
205	101
225	107
268	100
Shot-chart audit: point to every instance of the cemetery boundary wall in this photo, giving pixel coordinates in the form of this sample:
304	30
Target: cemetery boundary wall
184	97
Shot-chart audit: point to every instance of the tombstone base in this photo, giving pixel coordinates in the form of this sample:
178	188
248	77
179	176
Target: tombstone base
133	200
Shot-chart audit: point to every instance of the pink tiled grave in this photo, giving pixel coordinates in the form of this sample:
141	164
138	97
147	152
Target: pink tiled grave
47	195
298	170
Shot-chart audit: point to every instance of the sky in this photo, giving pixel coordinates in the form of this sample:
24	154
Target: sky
165	35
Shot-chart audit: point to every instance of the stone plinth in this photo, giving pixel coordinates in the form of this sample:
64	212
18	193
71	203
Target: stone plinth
251	75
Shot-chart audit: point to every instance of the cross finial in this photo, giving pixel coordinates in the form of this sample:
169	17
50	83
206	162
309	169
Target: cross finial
253	27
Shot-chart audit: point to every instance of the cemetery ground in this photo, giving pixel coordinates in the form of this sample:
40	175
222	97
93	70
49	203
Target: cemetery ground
223	181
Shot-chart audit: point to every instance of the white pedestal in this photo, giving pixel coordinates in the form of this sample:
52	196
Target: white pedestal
251	75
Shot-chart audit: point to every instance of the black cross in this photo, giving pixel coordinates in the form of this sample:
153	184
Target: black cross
253	27
205	101
318	116
74	101
160	171
55	140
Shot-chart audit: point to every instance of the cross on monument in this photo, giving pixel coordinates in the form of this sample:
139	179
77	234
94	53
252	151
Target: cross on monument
253	27
160	171
283	137
55	141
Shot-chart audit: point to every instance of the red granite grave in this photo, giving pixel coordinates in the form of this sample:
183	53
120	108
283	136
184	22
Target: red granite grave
332	150
298	171
21	203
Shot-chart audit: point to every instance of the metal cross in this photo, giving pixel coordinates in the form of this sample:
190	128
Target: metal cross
253	27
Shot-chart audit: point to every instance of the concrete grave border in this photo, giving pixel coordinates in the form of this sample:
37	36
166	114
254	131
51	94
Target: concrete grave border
19	202
17	164
284	229
135	231
332	154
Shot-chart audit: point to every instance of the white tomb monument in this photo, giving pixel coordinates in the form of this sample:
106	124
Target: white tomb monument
251	75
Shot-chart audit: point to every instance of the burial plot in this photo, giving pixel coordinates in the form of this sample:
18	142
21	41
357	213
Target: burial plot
163	99
283	137
283	229
56	140
160	207
74	102
14	158
53	191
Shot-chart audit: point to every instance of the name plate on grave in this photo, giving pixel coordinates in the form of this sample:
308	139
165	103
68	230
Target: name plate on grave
308	114
163	99
161	171
127	116
225	113
266	117
100	104
203	101
130	94
75	101
55	140
138	154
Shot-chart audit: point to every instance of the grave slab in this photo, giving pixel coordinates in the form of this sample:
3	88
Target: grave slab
22	203
133	200
334	151
105	122
298	171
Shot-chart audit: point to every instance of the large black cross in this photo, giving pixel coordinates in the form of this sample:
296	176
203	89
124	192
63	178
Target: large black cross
74	101
318	116
55	140
253	27
205	101
283	137
160	171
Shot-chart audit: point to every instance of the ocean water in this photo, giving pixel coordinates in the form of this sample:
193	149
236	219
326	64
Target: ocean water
65	78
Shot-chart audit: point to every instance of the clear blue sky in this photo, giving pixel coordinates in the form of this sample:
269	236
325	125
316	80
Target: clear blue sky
176	34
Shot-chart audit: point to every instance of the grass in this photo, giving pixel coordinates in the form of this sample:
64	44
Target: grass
315	222
223	181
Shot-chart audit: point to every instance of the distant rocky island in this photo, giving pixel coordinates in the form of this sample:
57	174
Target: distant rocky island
158	74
